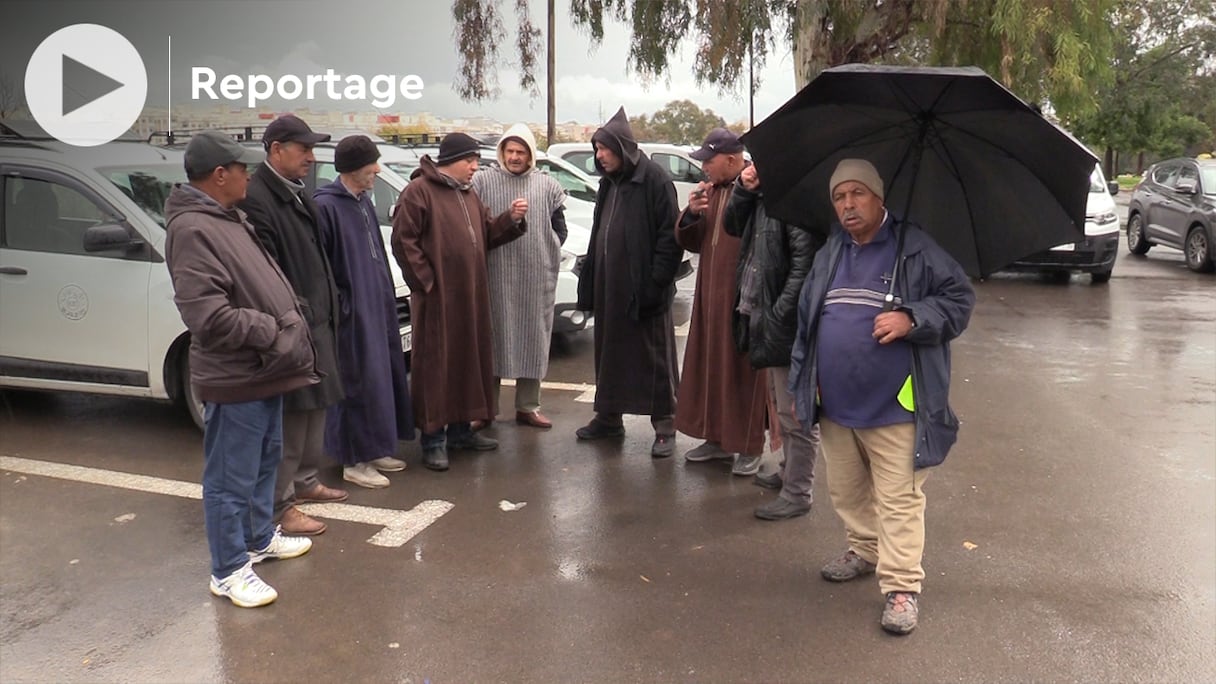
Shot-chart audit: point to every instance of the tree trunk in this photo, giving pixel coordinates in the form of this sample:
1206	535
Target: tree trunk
812	42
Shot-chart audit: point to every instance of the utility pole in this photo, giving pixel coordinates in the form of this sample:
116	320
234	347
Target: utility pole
551	130
751	84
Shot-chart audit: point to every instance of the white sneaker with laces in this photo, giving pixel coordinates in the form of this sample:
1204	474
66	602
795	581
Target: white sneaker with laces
281	547
364	475
244	588
388	464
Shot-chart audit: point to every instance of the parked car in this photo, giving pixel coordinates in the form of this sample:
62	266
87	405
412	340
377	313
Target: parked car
676	160
1175	206
1095	254
86	301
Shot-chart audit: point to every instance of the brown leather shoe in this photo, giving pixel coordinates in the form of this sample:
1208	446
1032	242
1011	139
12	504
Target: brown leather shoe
296	523
533	418
319	493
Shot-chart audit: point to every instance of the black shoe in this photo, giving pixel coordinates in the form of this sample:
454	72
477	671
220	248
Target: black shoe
435	458
770	481
781	509
474	441
598	430
664	446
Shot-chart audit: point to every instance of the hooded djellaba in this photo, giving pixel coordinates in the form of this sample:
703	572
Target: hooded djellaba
376	412
523	273
628	280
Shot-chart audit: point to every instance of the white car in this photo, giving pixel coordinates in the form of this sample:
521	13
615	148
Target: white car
675	159
86	301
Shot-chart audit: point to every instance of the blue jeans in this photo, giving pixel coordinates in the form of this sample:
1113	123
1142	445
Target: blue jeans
242	447
454	431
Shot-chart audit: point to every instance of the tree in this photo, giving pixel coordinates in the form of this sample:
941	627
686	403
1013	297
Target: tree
1160	100
682	122
1040	49
10	96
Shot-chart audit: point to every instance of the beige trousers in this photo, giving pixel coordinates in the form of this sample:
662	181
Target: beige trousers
527	394
878	495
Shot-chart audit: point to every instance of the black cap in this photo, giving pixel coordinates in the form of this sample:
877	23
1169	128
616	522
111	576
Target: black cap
291	128
210	149
457	146
719	141
354	152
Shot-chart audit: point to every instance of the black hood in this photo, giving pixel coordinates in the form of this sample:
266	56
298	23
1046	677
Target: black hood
617	136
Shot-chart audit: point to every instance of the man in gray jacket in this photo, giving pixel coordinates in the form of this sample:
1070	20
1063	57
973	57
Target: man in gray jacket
248	346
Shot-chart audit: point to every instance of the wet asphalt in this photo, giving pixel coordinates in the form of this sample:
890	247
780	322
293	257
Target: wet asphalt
1071	535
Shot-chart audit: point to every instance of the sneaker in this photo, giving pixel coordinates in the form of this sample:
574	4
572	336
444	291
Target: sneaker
770	481
781	509
364	475
708	451
901	613
745	465
848	567
598	430
473	441
388	464
244	588
663	447
281	548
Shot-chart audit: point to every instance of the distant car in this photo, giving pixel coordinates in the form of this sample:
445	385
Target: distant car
676	160
1175	206
86	301
1095	254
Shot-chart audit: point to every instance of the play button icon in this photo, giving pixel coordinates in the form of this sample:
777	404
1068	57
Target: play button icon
86	84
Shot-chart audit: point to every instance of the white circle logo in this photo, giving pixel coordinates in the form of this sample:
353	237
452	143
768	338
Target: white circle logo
86	84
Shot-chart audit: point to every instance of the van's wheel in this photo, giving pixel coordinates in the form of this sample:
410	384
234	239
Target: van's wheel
1198	251
185	392
1136	243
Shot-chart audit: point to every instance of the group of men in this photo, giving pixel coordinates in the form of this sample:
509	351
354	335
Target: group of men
839	348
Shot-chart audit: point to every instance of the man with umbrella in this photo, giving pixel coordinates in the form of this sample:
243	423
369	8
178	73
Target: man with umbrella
882	302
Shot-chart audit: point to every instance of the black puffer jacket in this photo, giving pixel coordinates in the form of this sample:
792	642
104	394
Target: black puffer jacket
783	254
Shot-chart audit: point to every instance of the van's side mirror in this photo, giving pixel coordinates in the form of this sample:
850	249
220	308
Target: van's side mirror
1113	187
110	236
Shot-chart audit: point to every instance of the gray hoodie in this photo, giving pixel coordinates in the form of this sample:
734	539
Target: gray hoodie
248	340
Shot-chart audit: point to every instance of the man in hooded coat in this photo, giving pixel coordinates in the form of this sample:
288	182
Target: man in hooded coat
523	273
628	282
441	234
363	429
722	399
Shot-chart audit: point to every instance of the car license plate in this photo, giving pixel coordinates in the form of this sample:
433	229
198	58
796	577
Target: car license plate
407	340
1070	247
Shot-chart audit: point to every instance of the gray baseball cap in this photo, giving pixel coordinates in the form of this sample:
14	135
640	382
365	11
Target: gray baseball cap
209	149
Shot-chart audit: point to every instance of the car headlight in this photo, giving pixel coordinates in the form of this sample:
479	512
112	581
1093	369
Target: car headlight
567	262
1107	217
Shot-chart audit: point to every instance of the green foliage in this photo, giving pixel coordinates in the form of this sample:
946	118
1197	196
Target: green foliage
680	122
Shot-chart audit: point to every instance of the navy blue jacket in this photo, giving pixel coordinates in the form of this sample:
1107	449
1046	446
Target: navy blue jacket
936	292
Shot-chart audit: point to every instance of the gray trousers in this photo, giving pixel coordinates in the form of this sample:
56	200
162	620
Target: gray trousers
303	441
800	447
527	394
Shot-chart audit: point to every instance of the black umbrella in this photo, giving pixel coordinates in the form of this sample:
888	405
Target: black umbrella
980	170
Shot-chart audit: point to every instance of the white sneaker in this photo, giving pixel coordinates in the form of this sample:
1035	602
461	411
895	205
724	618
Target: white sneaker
244	588
364	475
388	464
281	547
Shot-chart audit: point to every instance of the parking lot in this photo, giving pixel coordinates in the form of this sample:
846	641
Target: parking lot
1071	533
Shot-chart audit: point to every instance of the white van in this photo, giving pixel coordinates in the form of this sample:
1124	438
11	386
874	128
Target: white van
675	159
1095	254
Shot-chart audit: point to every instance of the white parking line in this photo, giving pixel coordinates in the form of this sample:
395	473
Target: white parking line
398	526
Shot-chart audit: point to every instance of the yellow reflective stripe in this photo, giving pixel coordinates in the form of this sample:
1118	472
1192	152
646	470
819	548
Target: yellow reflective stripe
905	397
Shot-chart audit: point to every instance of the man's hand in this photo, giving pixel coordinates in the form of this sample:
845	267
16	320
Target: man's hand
698	201
892	325
748	178
518	208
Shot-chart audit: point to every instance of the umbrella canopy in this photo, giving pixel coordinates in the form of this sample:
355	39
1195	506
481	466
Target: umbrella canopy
980	170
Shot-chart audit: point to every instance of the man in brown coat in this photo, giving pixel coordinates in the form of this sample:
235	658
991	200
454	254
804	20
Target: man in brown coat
722	397
441	233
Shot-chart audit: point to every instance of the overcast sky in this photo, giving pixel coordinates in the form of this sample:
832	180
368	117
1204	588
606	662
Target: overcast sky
369	37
